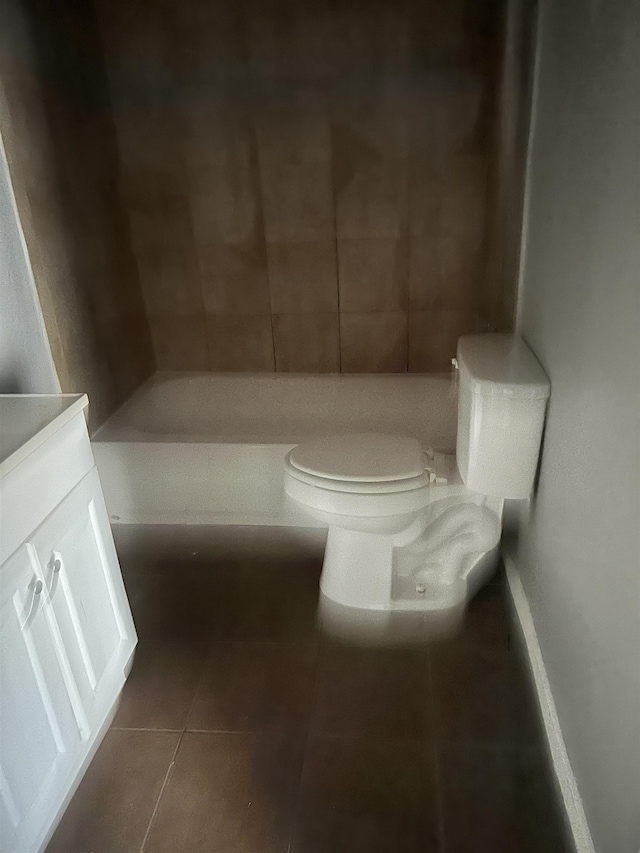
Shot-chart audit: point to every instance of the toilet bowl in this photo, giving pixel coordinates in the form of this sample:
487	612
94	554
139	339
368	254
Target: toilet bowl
404	531
413	529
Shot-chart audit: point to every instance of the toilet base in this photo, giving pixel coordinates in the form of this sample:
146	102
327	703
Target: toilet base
437	562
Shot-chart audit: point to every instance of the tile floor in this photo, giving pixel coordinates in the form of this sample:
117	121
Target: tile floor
243	730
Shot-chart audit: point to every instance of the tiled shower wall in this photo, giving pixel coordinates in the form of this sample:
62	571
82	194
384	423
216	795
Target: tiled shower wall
306	182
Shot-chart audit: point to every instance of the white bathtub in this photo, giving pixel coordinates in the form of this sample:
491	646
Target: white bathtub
191	448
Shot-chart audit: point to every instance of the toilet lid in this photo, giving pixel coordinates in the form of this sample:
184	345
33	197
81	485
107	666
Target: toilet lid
360	457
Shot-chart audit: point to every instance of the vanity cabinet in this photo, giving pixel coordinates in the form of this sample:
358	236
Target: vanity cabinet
39	735
66	632
86	606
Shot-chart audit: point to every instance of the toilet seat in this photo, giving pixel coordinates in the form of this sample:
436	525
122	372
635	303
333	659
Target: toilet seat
356	487
360	458
361	475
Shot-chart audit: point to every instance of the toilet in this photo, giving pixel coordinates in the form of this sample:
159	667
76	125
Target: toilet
414	529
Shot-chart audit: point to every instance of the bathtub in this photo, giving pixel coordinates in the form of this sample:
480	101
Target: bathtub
202	448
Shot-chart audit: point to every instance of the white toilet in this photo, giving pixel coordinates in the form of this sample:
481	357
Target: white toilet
415	530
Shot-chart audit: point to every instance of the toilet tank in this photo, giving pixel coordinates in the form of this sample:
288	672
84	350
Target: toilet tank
502	400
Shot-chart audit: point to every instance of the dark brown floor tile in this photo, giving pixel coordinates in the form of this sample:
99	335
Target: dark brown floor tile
364	796
482	695
379	692
181	602
255	687
272	601
162	684
499	800
228	543
207	582
249	601
112	807
141	544
134	583
229	793
140	549
486	623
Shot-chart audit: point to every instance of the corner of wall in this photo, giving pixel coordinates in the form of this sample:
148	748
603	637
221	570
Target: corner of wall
43	350
526	200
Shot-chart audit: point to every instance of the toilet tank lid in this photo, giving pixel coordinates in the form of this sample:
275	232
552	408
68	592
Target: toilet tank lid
502	365
360	457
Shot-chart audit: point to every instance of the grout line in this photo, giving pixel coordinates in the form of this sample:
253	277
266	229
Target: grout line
205	667
197	259
273	337
408	250
263	234
225	732
145	729
303	643
296	810
169	640
436	758
366	734
330	118
162	790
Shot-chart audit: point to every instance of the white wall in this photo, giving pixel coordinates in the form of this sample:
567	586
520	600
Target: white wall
578	553
25	358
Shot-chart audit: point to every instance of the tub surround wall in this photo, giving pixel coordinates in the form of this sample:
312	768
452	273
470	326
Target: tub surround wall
305	183
60	145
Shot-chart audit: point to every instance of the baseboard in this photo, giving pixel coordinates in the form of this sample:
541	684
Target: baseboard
566	782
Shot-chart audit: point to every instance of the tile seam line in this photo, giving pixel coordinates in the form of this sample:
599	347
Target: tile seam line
431	708
295	643
318	734
332	181
263	235
261	733
307	737
203	671
146	729
165	783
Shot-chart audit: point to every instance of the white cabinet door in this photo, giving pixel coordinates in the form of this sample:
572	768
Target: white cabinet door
39	737
82	579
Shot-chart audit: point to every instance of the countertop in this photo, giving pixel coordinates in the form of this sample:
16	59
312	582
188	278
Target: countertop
28	420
